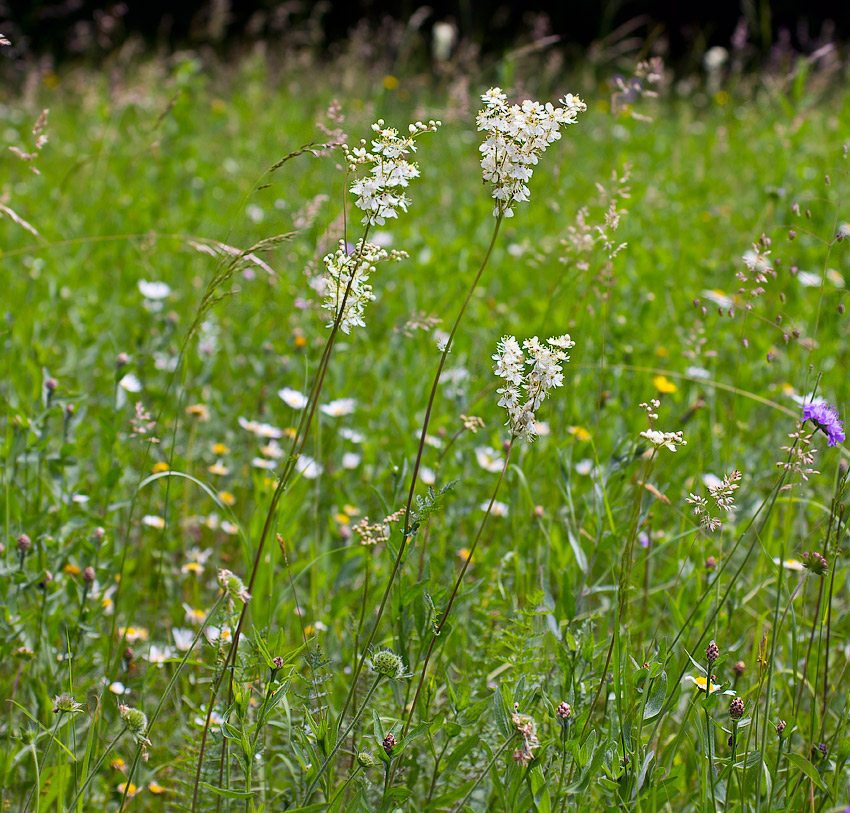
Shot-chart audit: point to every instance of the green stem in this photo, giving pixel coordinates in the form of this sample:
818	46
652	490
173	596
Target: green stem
96	768
341	739
407	511
484	773
35	787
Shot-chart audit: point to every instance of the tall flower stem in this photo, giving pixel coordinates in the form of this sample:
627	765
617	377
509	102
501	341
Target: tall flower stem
296	447
407	511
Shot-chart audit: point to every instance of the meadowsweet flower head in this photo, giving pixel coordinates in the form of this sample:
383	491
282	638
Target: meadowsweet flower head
722	493
516	138
669	440
345	284
524	392
825	417
380	193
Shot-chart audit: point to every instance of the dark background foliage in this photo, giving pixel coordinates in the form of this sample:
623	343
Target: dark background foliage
91	28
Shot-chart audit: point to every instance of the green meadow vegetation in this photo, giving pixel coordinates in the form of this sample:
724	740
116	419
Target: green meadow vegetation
258	555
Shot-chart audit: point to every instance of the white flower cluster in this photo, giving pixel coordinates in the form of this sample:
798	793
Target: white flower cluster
545	374
516	138
669	440
380	194
722	493
349	272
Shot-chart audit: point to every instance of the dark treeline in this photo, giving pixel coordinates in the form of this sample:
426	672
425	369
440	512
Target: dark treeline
92	28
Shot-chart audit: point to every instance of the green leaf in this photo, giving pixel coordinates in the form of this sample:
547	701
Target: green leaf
809	770
227	793
655	701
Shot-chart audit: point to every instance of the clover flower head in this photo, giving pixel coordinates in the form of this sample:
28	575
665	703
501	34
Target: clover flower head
345	284
524	391
516	137
825	417
379	194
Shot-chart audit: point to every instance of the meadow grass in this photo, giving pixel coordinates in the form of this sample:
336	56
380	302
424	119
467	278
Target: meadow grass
380	664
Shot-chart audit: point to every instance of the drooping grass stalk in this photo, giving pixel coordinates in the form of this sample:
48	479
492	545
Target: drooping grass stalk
414	477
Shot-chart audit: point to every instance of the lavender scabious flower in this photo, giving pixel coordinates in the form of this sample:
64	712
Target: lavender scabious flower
825	417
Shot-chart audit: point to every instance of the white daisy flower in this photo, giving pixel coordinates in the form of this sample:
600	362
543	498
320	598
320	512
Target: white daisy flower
308	467
338	408
293	398
489	459
350	460
130	383
154	290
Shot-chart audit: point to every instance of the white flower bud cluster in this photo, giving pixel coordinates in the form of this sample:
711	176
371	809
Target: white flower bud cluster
380	194
545	374
516	138
349	271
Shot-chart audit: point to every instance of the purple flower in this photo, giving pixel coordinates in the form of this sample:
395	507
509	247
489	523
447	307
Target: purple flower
825	417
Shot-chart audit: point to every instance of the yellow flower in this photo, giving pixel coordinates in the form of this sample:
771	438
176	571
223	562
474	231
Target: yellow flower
192	567
194	616
218	468
133	634
117	764
662	351
390	82
199	411
227	498
342	519
579	432
156	788
663	384
131	790
290	432
463	553
71	570
299	340
351	510
700	683
159	467
789	564
220	449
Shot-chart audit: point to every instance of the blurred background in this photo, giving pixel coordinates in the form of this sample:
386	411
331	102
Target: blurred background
681	33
